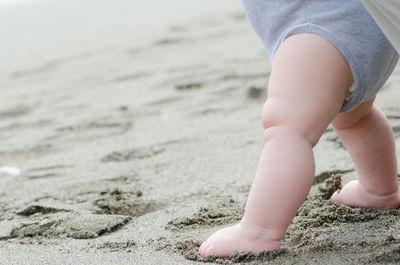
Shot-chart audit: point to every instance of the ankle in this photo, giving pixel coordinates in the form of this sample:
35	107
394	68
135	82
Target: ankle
383	200
257	231
380	193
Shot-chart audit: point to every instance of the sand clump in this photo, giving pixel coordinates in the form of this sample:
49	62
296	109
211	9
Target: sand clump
320	232
318	210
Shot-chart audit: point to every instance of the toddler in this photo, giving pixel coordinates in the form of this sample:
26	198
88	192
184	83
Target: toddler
329	59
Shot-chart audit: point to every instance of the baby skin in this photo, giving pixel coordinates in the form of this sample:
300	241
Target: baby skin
308	85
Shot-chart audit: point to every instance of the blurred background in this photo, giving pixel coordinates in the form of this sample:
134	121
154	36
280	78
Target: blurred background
33	30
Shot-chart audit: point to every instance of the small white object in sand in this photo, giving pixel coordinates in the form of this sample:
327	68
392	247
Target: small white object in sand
9	171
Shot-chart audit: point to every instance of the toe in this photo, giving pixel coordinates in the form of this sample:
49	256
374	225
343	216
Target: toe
209	251
202	249
216	251
336	198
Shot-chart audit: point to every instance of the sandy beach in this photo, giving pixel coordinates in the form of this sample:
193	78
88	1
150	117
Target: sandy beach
136	141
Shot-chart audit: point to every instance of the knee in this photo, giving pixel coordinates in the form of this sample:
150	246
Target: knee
287	134
269	115
278	131
278	124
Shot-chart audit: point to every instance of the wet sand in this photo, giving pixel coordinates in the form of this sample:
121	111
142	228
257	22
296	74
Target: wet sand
135	152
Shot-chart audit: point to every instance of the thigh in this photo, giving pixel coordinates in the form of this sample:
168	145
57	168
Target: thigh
308	84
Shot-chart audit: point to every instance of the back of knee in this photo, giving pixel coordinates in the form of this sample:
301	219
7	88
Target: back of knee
352	118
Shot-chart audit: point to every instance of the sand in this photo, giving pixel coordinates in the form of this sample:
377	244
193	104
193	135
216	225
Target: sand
133	152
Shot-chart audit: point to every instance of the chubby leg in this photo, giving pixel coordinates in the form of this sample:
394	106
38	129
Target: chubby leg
368	137
308	84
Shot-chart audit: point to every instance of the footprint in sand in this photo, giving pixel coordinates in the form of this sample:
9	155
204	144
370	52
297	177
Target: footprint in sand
49	66
14	112
92	130
168	41
92	225
28	151
132	154
117	202
189	86
131	76
110	123
165	100
45	172
61	225
45	68
35	208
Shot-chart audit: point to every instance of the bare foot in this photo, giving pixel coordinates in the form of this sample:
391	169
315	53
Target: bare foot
237	238
353	194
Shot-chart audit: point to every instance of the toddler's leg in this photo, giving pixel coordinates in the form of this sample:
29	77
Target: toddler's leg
307	87
368	137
